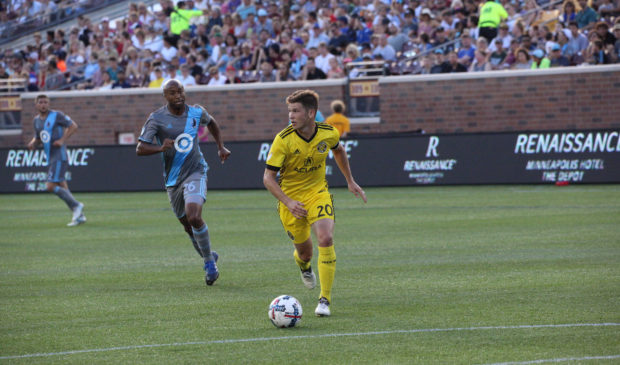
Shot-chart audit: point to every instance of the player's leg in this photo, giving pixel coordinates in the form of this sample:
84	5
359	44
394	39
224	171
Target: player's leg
188	229
324	231
298	230
303	256
57	184
194	195
321	215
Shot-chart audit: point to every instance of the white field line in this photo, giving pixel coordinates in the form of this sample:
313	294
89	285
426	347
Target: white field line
262	339
611	357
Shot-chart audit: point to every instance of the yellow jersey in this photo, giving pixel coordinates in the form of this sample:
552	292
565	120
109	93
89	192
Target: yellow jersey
340	122
301	162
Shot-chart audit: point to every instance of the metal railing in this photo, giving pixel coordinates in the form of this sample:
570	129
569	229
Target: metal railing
16	28
13	86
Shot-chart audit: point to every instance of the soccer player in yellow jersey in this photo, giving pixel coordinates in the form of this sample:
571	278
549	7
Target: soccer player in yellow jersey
299	153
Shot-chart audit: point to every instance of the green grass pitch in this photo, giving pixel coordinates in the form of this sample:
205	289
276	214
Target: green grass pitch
425	275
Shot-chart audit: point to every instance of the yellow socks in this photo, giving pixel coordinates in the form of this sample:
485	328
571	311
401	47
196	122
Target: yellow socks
327	270
302	264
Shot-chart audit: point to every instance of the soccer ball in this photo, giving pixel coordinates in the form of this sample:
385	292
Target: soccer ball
285	311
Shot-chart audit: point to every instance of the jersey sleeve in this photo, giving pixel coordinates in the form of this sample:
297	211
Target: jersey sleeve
277	154
63	120
149	130
205	118
334	139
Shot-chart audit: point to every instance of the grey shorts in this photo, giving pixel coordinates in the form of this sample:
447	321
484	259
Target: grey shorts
57	170
191	190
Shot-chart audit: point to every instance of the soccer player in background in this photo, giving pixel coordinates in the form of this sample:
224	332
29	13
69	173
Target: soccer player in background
298	153
173	131
52	129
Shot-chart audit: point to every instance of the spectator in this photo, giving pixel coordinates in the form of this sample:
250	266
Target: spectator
569	12
121	83
453	63
491	15
180	18
107	82
267	73
231	75
602	29
185	78
440	65
522	61
396	39
215	77
557	58
322	59
335	71
480	62
316	37
311	72
497	57
158	79
245	9
539	60
284	73
338	120
467	51
168	51
577	42
503	36
384	49
586	17
114	69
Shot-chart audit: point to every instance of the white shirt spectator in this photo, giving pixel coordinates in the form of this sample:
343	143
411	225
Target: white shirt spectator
168	53
386	51
217	80
322	62
187	80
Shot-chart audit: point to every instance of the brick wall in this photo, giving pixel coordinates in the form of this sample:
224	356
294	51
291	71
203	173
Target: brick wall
565	98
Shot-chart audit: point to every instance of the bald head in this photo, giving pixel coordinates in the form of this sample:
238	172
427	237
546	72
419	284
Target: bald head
174	94
172	83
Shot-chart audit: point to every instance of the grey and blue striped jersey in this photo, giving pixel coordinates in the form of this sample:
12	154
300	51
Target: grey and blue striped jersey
50	130
185	158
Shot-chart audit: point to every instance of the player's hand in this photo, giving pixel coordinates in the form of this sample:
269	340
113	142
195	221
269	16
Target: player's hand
31	145
223	153
357	191
297	209
168	144
58	142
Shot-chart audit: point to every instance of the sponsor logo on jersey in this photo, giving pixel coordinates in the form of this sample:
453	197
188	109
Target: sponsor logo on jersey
45	136
183	143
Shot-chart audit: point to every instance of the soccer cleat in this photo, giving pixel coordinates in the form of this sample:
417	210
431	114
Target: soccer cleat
77	212
81	219
308	278
322	310
211	272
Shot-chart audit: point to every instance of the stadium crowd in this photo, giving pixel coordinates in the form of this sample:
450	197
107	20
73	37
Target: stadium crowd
216	42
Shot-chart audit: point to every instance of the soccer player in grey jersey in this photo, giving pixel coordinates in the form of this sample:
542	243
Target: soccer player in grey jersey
173	131
52	129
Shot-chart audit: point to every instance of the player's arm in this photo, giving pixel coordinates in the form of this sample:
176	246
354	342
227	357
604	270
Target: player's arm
145	148
294	206
34	142
214	129
340	155
65	136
